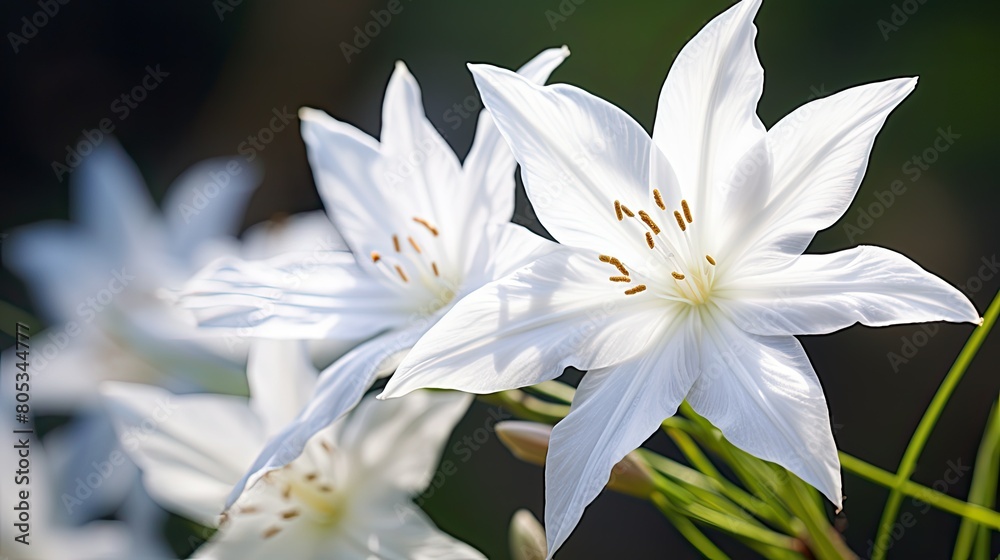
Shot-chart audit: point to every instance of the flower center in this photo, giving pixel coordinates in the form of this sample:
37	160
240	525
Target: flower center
676	274
302	494
411	263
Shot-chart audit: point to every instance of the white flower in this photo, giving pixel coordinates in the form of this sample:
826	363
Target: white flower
348	496
684	277
422	230
97	282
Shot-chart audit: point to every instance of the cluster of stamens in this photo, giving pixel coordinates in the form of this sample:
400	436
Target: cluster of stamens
297	489
397	269
651	233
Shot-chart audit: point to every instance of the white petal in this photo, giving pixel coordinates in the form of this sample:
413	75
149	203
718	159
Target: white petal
489	168
706	118
615	410
578	154
243	539
322	294
820	153
819	294
191	448
281	379
295	233
111	200
504	248
207	202
398	442
422	170
763	394
338	389
525	328
406	533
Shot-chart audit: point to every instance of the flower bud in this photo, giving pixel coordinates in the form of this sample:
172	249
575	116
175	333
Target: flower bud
529	442
527	537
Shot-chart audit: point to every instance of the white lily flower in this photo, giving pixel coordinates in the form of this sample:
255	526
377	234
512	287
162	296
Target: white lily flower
684	276
422	230
348	496
98	282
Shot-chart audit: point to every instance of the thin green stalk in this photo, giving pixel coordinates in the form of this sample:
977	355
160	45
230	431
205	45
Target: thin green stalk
688	529
941	501
972	535
909	461
526	406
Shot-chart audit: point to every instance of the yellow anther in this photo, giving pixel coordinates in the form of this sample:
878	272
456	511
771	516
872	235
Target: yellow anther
605	258
427	225
627	211
710	260
658	199
270	532
434	267
395	242
620	279
413	243
325	488
326	446
649	222
618	210
635	290
290	514
311	477
618	264
680	221
286	492
649	240
687	211
677	275
402	274
376	257
248	509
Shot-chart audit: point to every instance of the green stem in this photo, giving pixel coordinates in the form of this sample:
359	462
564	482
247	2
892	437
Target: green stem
944	502
982	492
688	529
909	461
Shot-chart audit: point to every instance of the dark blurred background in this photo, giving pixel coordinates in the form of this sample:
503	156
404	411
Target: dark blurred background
231	63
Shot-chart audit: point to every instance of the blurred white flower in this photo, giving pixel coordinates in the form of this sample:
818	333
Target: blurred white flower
684	276
348	495
49	532
526	537
98	281
422	230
